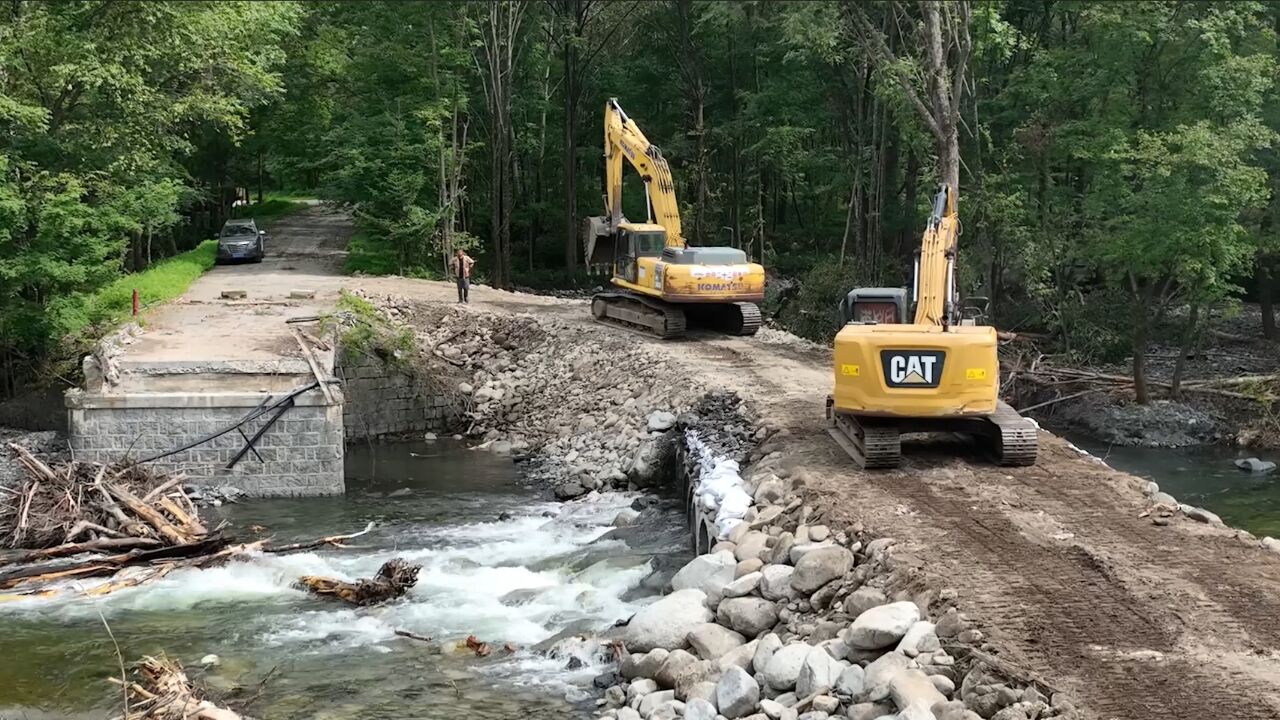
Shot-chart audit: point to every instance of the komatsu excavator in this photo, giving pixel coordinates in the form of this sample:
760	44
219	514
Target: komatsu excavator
661	282
938	373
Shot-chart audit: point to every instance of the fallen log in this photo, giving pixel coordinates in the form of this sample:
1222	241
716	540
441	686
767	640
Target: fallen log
92	546
393	580
332	540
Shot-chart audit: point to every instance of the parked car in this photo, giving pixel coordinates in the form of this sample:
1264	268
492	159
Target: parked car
241	240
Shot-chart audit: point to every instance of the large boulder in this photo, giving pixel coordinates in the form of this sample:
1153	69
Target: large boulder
643	665
765	648
819	567
675	663
708	573
862	600
800	549
883	626
877	675
742	656
710	640
737	693
818	674
651	701
851	681
920	638
1255	465
699	709
913	693
754	545
775	582
748	615
667	622
744	585
783	669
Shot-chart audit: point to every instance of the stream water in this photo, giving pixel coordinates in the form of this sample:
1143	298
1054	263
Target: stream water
543	569
1203	476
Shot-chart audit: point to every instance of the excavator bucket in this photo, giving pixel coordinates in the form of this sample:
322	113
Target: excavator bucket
597	242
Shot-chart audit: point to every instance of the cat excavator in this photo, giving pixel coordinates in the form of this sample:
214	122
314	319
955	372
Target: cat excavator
938	373
662	284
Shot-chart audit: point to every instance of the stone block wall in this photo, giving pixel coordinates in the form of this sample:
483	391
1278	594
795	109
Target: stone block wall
301	454
383	399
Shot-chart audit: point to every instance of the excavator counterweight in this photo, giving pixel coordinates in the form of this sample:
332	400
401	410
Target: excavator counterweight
661	284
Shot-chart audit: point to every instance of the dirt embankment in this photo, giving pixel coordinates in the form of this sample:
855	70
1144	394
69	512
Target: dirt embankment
1136	614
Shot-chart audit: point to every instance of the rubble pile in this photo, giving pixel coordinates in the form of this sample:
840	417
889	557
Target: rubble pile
596	410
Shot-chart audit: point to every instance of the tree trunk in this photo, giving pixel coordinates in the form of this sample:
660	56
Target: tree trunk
1266	298
259	174
570	155
1184	348
1140	307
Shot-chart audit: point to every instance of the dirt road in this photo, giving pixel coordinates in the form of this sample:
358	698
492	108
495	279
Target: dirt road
1137	620
304	252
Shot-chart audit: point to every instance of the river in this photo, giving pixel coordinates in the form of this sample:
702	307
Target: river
542	569
1203	476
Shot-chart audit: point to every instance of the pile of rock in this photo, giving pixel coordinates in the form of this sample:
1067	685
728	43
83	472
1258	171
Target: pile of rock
788	618
594	405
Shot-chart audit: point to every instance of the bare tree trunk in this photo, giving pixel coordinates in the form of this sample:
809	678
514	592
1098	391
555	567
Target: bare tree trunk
1266	298
500	50
1185	348
947	45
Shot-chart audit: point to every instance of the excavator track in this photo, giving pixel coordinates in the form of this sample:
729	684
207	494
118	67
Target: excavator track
748	318
1015	440
874	444
638	313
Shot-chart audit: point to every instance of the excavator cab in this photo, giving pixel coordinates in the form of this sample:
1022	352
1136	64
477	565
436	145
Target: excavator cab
634	241
874	305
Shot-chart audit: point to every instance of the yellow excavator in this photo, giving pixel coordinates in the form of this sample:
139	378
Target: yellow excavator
938	373
662	284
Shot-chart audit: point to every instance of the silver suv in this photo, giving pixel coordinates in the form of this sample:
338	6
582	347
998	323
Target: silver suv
241	240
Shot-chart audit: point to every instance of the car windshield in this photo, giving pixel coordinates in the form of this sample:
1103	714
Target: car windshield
237	231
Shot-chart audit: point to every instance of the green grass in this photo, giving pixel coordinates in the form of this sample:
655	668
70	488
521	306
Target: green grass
87	316
369	331
273	207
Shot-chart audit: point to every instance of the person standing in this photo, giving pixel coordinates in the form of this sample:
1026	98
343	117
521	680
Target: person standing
461	266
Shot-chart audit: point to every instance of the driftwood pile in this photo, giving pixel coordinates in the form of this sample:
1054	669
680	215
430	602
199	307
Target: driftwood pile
161	690
82	507
393	580
83	520
130	524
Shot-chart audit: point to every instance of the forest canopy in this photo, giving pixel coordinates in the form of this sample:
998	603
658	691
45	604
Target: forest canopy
1114	162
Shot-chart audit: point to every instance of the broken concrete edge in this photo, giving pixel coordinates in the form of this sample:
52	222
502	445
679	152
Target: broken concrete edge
77	399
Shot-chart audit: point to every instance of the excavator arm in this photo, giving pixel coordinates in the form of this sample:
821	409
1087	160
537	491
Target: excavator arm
935	272
623	139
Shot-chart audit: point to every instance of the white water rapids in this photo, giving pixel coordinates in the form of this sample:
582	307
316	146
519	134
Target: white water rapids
520	580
